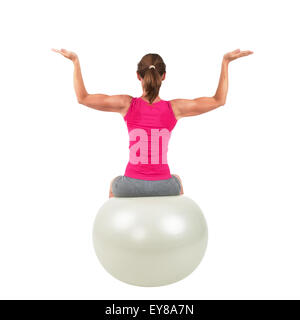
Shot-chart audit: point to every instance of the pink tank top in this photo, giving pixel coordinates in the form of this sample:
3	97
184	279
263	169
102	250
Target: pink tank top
149	129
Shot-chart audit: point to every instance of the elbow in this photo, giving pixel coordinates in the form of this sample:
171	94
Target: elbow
220	102
80	100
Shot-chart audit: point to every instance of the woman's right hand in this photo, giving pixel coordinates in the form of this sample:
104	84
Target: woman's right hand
67	54
230	56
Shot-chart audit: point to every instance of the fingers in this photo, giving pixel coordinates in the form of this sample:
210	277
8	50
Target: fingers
242	54
62	51
245	53
56	50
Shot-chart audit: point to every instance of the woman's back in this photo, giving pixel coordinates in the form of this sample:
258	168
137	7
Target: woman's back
149	127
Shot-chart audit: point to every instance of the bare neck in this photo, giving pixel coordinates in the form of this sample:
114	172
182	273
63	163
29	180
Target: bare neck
156	99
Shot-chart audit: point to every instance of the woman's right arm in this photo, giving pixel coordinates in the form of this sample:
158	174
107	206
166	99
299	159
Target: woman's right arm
192	107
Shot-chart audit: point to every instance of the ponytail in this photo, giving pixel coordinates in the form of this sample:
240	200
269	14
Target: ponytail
151	76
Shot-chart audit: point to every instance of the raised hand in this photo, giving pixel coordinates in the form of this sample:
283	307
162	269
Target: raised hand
230	56
67	54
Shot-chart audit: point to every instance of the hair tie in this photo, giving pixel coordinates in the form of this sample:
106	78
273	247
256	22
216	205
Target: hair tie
152	66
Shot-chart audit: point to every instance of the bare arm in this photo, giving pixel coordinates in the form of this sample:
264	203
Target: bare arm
78	81
115	103
221	93
103	102
192	107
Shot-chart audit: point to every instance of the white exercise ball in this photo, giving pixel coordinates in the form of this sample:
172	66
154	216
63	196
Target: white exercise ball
150	241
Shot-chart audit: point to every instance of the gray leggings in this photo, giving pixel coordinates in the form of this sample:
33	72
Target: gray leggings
123	186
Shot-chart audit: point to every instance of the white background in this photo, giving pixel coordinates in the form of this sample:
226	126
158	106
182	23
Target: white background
240	162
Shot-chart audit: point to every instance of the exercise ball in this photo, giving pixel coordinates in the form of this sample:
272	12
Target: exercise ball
150	241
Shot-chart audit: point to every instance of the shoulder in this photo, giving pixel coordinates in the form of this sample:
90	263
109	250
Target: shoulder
125	102
180	106
176	105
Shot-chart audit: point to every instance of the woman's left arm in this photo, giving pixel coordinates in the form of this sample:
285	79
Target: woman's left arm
78	83
103	102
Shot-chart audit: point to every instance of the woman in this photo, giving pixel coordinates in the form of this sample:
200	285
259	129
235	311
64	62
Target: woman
150	121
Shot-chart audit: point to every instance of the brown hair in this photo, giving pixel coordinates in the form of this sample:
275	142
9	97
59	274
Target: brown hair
152	76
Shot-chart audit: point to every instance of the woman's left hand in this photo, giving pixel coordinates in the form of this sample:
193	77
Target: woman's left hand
230	56
67	54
